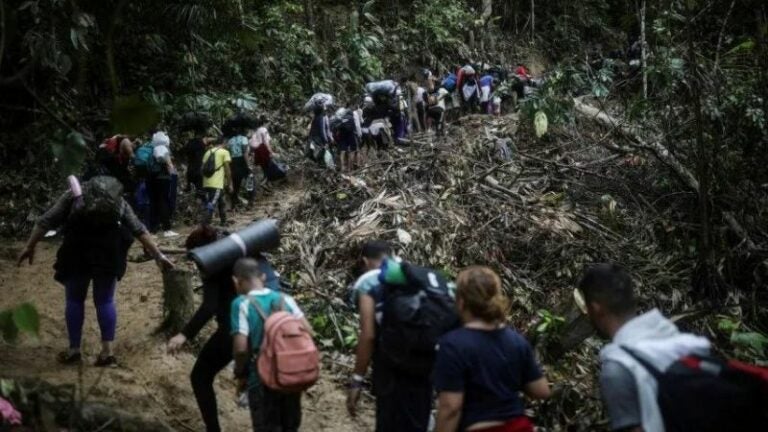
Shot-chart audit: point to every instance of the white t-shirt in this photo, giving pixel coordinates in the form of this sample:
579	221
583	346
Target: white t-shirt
261	136
441	95
419	98
376	127
485	94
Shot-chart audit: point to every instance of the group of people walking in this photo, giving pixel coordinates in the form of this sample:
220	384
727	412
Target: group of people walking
220	169
427	338
442	353
390	110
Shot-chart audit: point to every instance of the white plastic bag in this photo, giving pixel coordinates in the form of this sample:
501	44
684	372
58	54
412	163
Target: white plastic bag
328	159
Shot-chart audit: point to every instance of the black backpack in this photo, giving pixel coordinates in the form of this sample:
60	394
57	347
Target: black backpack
209	167
706	394
414	317
345	123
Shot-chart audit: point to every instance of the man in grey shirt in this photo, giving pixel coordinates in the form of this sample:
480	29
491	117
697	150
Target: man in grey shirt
619	392
628	389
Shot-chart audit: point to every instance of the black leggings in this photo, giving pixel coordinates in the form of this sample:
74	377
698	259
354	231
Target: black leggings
159	198
421	113
240	172
215	356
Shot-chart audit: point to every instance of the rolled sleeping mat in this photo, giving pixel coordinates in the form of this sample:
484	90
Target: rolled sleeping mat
260	236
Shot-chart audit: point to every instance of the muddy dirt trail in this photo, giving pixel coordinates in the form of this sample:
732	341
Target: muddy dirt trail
148	381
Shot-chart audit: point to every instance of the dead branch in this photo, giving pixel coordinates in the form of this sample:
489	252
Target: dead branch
632	134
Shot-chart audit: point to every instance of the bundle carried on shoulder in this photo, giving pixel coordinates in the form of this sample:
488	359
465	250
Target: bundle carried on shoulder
318	100
450	82
385	87
468	70
237	124
195	121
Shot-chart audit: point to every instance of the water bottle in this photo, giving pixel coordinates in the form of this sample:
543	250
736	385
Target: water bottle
250	183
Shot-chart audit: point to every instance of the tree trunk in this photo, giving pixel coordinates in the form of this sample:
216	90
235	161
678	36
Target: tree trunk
178	302
486	15
487	10
533	20
643	50
309	14
707	281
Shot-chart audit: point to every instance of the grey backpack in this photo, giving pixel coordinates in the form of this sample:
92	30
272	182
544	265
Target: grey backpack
101	202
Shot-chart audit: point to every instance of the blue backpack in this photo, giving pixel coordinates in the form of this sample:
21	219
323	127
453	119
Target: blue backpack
144	159
449	83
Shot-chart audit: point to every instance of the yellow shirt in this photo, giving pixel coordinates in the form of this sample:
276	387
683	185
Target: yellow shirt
216	181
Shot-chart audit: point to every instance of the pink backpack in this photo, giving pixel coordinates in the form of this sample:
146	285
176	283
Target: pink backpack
288	360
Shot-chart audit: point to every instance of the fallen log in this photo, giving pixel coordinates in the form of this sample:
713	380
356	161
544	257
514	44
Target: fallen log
632	134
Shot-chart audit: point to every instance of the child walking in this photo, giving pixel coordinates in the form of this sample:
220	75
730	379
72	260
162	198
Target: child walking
270	410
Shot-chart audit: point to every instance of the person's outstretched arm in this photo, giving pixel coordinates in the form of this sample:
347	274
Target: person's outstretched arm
51	219
200	318
365	346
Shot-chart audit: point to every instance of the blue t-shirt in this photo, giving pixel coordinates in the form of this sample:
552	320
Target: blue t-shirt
237	145
245	319
490	367
486	81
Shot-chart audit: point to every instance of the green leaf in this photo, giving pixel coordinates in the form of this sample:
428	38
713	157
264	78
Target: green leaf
7	387
70	152
27	319
133	115
747	45
7	327
753	340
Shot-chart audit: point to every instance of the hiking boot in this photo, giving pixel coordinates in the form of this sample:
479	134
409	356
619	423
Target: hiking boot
68	357
108	361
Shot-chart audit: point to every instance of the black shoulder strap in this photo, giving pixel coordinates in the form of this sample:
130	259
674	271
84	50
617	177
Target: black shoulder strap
656	373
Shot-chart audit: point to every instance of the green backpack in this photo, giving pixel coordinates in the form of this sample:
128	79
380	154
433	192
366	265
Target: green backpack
101	202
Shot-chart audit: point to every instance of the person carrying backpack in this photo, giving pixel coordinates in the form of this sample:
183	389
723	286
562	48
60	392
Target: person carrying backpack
274	407
98	227
420	104
348	134
113	158
482	367
486	94
216	353
436	110
403	309
239	152
216	175
161	185
655	378
195	149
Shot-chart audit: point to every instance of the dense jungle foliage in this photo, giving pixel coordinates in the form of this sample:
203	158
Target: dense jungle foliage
692	119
